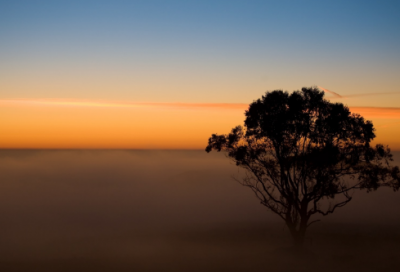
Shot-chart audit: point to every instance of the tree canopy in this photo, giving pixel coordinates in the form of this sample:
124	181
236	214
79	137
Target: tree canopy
305	155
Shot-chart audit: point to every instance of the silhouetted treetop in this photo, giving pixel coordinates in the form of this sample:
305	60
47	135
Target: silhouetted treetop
300	149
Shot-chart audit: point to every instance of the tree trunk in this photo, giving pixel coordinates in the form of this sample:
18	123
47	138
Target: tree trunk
298	232
298	238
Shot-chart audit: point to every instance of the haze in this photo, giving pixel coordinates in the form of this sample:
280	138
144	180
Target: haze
170	210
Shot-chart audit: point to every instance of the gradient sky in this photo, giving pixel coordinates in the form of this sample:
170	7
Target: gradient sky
68	69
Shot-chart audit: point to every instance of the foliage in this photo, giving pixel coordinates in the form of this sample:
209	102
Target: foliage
301	151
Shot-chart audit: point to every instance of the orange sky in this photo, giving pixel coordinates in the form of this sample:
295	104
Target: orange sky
67	124
99	124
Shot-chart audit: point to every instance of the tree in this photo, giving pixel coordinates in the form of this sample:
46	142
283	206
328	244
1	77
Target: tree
304	156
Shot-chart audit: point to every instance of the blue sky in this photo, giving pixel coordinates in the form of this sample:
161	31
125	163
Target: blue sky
198	51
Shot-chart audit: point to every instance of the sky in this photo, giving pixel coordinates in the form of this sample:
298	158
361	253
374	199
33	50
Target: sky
168	74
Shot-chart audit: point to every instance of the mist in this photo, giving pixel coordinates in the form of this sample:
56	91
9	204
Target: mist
125	210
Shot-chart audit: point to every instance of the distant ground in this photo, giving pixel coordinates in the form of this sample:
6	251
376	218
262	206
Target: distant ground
171	211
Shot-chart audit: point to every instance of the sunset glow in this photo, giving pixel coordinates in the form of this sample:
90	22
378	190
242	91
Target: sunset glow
104	124
38	124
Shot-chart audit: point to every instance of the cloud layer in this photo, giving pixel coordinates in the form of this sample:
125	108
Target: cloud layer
368	112
105	104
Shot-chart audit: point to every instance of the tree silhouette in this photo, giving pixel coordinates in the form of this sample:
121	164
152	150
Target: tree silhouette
305	155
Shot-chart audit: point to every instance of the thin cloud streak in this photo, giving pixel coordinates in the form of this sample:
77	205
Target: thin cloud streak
367	112
377	112
336	95
328	91
369	94
74	103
